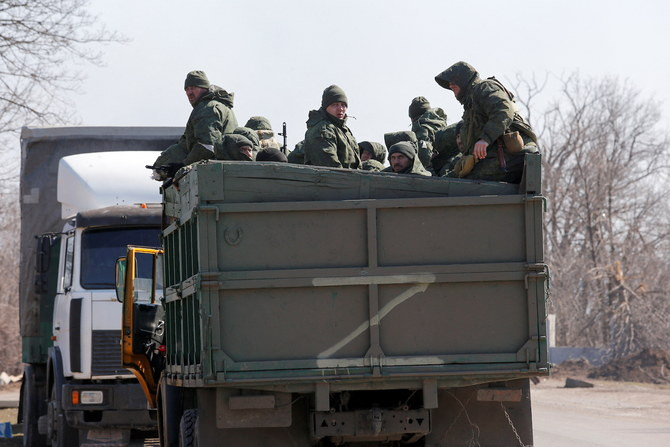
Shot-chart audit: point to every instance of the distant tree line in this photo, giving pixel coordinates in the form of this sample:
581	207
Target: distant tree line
605	168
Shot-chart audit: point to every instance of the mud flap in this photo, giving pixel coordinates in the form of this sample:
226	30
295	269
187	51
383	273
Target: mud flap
487	415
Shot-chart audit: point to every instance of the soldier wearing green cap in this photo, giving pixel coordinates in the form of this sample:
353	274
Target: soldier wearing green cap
494	135
211	118
404	159
328	140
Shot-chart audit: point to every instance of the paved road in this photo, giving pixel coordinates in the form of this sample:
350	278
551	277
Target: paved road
604	416
558	428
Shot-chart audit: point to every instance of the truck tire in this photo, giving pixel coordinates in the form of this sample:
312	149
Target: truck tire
169	411
60	433
30	397
188	429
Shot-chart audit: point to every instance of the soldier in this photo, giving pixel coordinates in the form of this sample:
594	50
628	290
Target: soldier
264	130
426	122
328	140
495	137
373	156
405	160
372	150
234	147
210	119
252	136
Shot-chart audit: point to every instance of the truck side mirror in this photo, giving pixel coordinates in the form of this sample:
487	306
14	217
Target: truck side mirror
120	281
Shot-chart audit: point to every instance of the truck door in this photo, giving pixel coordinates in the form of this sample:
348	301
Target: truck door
139	286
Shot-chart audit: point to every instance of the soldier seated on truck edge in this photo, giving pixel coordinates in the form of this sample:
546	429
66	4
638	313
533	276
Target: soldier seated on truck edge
211	118
495	137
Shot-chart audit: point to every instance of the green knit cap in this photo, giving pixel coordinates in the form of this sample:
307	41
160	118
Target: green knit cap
196	78
333	94
403	147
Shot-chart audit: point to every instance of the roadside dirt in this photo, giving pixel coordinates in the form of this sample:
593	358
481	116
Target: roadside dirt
630	399
647	366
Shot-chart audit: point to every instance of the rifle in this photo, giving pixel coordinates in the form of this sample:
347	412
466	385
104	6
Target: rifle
169	169
284	148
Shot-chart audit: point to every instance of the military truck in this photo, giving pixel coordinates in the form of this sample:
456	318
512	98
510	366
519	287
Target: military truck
80	193
310	306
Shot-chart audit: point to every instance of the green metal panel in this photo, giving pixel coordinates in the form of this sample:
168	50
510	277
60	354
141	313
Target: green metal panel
283	273
35	348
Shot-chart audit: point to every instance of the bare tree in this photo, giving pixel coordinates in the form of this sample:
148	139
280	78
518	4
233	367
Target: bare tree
607	226
10	348
42	46
40	41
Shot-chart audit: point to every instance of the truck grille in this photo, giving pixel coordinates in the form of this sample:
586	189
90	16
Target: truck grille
107	354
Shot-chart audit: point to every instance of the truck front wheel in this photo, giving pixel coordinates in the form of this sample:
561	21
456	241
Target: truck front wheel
59	432
188	429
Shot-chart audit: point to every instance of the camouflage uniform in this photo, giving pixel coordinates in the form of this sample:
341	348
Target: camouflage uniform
328	140
372	165
488	113
426	122
392	138
408	149
211	118
377	150
445	149
297	155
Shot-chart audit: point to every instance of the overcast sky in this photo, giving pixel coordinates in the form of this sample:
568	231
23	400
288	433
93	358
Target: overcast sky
278	56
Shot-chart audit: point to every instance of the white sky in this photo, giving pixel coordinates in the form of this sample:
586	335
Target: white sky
278	56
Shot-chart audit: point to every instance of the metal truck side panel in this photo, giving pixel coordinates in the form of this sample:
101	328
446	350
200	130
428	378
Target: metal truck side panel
289	275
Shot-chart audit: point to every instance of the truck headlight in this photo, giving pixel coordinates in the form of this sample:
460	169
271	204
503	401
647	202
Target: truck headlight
91	397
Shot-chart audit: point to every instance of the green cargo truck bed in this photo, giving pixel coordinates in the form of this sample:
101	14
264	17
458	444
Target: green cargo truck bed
287	275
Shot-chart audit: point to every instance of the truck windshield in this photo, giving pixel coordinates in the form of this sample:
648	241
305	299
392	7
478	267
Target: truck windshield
101	248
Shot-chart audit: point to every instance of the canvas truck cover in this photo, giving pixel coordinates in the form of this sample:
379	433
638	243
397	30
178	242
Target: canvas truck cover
288	275
41	151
